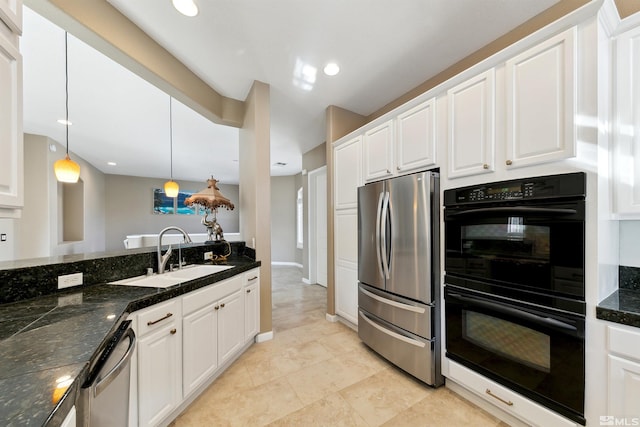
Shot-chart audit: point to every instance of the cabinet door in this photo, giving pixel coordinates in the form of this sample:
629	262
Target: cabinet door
541	102
230	325
11	14
626	128
159	372
472	126
252	307
346	265
624	388
199	347
378	152
416	140
11	160
347	159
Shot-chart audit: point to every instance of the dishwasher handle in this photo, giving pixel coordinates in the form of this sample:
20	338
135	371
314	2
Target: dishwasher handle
104	382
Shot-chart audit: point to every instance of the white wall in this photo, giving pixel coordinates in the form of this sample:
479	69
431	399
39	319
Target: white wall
129	209
283	218
629	247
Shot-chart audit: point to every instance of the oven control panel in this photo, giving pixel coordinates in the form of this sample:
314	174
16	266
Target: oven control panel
571	185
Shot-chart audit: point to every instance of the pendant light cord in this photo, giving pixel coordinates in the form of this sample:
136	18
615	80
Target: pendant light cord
171	139
66	86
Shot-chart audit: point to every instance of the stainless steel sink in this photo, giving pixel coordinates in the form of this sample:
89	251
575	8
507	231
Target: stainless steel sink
172	278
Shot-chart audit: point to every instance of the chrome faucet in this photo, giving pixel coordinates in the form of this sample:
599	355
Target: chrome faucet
162	259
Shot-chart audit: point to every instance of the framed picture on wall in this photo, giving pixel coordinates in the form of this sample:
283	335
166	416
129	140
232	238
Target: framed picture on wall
162	204
181	208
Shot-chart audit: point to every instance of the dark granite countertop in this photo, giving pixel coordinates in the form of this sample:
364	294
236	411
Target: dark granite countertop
47	343
622	306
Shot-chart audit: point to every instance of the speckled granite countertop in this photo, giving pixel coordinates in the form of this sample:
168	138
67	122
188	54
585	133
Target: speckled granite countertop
622	306
47	340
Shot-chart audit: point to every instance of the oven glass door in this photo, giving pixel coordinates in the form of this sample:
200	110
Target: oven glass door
537	248
537	352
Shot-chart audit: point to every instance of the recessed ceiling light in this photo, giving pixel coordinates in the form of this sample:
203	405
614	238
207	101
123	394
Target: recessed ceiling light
331	69
186	7
112	163
64	122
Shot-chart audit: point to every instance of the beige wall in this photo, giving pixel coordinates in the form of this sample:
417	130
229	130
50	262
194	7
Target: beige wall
38	233
627	7
129	209
283	219
255	190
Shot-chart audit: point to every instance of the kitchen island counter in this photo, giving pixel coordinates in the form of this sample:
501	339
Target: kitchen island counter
622	306
47	343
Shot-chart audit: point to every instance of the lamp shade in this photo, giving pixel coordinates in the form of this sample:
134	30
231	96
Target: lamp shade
171	188
210	197
66	170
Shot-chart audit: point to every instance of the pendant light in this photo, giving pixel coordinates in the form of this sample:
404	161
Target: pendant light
66	170
171	187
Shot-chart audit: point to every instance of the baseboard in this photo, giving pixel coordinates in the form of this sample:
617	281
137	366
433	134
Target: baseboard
291	264
333	318
306	281
265	336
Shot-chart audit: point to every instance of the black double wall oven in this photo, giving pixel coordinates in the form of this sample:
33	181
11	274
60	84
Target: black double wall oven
514	286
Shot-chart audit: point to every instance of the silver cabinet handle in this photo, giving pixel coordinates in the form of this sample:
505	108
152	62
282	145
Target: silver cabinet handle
506	402
149	323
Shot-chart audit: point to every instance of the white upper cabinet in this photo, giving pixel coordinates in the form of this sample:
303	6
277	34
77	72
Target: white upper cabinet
541	102
472	126
416	137
11	14
347	158
626	124
378	152
11	160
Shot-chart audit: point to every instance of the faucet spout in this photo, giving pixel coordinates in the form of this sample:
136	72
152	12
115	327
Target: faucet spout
162	259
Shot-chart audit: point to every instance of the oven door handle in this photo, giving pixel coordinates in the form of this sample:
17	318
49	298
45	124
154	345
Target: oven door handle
516	312
515	209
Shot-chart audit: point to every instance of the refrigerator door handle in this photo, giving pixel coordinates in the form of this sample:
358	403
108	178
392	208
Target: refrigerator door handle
378	240
383	232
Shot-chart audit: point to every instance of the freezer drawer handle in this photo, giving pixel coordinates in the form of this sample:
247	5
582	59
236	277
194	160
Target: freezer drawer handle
149	323
506	402
113	373
393	334
407	307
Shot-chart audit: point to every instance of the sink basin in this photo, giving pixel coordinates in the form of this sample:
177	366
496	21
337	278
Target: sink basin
172	278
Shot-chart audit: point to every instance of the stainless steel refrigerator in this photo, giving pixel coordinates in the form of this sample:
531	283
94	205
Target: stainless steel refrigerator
398	272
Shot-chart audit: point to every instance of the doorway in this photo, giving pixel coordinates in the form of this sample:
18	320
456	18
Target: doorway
318	226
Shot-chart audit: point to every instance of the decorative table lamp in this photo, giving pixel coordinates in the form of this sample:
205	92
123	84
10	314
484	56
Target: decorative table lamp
210	199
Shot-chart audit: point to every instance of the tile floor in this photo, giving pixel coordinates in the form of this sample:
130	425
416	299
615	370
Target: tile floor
317	373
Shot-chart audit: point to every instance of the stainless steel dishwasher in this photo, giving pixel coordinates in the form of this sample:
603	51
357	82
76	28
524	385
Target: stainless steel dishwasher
104	396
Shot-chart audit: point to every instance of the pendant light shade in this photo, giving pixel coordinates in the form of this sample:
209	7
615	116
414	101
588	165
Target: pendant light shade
171	187
66	170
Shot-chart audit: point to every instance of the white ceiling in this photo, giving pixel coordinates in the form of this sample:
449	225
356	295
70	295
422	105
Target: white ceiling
384	49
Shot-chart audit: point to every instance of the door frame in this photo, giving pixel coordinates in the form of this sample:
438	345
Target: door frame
313	215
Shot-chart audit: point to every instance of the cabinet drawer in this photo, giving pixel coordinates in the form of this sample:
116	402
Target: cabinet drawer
158	316
505	399
251	276
205	296
624	342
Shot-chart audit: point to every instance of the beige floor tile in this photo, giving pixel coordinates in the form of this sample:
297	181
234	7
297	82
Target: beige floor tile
340	342
331	411
443	408
384	395
255	407
299	356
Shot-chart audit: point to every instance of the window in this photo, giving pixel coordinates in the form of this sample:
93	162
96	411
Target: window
299	219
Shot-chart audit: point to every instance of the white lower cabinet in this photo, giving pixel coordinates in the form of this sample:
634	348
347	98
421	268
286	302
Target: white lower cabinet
505	399
159	362
346	264
184	342
624	373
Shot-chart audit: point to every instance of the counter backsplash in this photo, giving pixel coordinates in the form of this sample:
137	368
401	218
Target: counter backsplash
629	278
19	282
